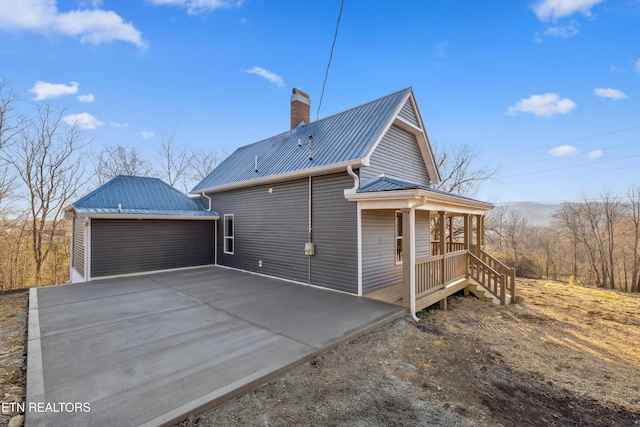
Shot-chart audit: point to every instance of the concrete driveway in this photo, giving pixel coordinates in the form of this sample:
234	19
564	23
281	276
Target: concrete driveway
150	350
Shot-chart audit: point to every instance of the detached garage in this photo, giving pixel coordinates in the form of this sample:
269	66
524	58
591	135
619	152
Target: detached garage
134	225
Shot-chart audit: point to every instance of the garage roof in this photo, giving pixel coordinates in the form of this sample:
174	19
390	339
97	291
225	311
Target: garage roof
139	196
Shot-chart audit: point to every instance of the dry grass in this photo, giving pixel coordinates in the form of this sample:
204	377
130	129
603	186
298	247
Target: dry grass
583	340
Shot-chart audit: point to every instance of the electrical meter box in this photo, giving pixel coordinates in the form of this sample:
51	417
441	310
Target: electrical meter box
309	249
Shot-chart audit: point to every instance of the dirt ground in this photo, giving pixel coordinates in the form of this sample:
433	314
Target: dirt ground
13	349
558	357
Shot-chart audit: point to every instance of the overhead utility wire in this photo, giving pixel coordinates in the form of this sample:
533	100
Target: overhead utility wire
547	159
566	142
546	178
573	166
326	75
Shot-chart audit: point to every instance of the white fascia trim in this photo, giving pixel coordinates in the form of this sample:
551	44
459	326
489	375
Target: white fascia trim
414	195
367	158
303	173
144	216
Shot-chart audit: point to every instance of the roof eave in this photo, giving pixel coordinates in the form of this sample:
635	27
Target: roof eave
146	216
318	170
442	199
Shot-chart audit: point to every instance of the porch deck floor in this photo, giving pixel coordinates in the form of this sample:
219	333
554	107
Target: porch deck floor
390	294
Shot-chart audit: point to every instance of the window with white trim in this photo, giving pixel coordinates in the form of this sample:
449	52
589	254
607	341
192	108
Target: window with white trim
228	233
399	234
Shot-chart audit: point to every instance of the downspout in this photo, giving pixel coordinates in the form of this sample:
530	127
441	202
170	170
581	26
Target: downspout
310	227
203	194
215	228
412	283
356	179
356	185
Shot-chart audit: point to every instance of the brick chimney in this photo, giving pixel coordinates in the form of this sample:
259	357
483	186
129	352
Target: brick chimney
300	107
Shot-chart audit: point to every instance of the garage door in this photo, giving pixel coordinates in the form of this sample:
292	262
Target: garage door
123	246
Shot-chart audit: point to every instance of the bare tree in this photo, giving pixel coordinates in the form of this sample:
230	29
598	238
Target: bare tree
514	232
633	213
47	161
9	128
203	162
120	160
460	170
174	160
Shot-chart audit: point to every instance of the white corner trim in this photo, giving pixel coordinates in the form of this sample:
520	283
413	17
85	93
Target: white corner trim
359	234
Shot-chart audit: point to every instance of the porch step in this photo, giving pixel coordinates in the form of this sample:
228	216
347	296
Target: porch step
483	294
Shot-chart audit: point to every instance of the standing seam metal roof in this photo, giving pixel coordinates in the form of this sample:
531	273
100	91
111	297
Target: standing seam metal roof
139	195
345	136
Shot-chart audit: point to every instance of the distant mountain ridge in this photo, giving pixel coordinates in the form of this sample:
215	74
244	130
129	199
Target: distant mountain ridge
538	214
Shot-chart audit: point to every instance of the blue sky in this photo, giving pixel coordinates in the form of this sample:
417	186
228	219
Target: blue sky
547	89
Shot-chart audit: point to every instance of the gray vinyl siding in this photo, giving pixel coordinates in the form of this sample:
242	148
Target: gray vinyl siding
269	227
408	114
335	234
123	246
78	245
397	155
379	268
273	228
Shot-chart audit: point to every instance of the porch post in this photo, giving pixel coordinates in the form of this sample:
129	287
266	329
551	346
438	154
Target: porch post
408	270
450	233
466	237
443	243
478	235
482	227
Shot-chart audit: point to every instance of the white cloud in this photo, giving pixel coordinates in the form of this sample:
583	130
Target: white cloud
86	98
44	90
91	25
147	135
272	77
441	49
566	31
596	154
84	121
119	125
547	104
637	66
195	7
615	69
547	10
609	93
564	151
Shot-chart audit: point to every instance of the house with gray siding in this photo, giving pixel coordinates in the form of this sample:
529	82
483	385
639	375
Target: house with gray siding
348	203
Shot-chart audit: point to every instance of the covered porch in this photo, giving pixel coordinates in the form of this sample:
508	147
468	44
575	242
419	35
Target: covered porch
439	239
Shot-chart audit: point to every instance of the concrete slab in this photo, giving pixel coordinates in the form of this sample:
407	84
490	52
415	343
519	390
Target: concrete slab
149	350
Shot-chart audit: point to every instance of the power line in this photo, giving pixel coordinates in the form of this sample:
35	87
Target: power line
574	166
326	74
563	176
528	150
547	159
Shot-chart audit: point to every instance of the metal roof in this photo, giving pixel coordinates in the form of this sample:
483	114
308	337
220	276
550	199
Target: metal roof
139	195
343	137
389	183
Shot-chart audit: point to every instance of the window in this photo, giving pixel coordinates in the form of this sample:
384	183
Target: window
399	237
228	234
